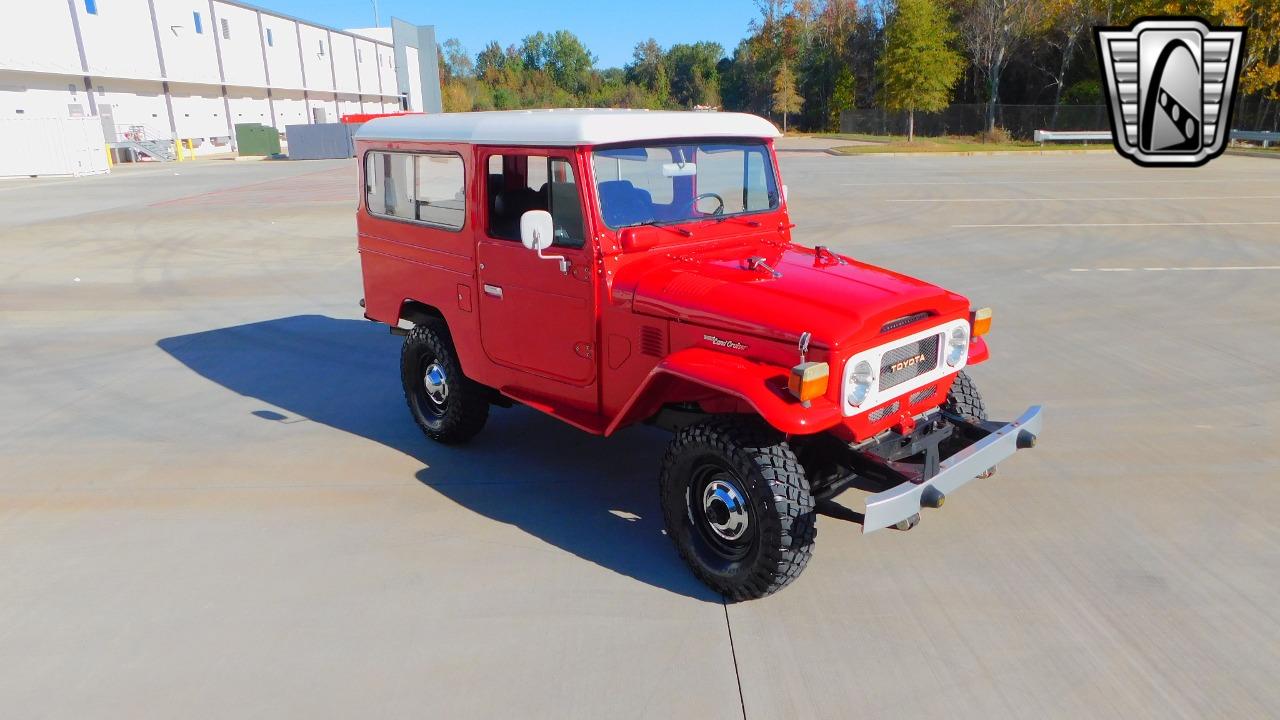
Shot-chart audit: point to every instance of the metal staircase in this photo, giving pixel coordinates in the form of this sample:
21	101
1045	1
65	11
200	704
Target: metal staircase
146	141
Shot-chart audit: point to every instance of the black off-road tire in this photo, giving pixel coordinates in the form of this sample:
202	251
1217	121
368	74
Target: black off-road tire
465	409
778	504
965	400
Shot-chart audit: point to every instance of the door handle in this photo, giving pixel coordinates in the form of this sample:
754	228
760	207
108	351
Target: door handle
493	291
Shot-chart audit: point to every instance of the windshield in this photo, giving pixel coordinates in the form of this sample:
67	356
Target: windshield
683	181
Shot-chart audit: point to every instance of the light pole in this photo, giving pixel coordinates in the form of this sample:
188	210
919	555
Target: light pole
375	14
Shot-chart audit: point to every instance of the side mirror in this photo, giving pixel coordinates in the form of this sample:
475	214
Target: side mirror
537	232
537	229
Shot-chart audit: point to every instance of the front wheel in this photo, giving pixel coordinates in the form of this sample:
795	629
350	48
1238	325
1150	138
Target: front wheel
737	505
446	405
965	400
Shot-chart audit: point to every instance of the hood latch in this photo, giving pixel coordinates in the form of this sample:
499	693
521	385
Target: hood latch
822	256
756	262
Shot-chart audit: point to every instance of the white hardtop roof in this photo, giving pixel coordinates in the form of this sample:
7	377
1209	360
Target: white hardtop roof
565	127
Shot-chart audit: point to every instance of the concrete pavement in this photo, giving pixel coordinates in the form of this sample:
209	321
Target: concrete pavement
213	502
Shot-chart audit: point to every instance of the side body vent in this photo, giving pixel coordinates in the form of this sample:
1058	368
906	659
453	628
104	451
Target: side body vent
653	342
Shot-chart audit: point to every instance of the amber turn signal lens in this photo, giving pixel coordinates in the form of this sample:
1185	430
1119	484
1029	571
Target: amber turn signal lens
809	380
980	319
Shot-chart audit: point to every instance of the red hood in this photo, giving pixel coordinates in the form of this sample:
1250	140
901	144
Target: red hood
837	302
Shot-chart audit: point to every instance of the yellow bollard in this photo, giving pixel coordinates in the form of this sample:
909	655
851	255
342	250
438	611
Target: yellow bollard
177	149
110	162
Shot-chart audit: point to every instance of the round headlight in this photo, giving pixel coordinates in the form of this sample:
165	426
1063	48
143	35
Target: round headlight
958	345
860	386
862	373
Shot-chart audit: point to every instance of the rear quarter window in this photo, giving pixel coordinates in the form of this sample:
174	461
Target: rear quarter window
427	188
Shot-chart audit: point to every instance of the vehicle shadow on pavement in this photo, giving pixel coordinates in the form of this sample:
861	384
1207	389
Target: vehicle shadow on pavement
593	497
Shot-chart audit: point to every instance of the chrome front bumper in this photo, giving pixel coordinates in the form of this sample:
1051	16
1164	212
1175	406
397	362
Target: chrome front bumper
900	503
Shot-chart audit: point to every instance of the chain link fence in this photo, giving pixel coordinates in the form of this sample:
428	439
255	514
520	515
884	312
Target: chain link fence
1021	121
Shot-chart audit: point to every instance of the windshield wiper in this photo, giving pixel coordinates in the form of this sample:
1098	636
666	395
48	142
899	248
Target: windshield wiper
741	220
665	225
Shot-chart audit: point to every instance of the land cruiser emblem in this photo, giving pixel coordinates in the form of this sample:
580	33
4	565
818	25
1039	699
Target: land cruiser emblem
730	344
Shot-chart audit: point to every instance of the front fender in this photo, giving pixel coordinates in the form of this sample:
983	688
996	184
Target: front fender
978	352
761	386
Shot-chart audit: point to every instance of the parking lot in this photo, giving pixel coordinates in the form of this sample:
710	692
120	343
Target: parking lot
213	502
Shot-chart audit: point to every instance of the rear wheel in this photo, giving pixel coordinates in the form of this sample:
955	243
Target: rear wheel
446	405
737	506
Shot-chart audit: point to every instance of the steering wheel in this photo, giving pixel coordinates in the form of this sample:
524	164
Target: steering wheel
693	205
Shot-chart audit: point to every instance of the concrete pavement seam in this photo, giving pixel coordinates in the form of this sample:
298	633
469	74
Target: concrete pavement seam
733	652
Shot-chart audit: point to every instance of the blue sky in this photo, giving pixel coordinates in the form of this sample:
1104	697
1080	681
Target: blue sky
609	29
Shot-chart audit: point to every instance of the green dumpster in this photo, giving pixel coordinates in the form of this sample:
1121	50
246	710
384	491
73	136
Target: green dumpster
256	139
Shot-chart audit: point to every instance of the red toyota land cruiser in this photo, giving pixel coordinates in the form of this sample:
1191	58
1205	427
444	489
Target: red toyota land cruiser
611	267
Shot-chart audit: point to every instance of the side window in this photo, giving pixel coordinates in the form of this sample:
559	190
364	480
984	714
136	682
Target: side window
566	204
517	184
441	196
390	183
422	187
758	194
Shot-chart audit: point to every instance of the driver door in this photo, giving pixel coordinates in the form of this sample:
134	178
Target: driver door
534	318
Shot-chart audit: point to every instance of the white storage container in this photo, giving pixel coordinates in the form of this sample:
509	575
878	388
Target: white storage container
52	146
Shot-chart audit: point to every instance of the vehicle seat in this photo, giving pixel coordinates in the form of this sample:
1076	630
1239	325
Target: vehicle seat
625	204
494	186
566	211
508	206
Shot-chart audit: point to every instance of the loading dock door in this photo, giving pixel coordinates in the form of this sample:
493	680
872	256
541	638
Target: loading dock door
107	114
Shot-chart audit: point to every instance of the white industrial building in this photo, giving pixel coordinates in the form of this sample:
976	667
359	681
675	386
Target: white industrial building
193	69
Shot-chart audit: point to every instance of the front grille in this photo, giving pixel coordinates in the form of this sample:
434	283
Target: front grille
919	395
884	412
909	361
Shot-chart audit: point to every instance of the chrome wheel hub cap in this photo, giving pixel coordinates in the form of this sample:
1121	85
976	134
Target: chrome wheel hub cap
437	384
725	509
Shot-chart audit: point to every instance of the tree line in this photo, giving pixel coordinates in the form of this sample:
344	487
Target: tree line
806	61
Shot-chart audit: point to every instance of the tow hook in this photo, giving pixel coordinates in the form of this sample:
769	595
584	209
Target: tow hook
906	425
1025	441
909	523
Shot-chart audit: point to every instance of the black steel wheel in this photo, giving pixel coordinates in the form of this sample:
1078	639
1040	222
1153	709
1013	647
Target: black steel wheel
737	505
447	406
717	508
